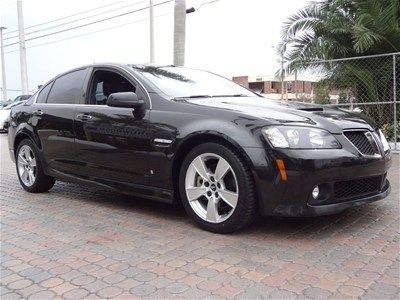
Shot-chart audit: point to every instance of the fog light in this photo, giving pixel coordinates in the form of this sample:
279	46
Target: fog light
315	192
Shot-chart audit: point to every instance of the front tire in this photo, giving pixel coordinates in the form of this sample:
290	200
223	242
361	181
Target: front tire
30	170
217	189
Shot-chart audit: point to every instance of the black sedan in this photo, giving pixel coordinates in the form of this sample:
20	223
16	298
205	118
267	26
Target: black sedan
177	134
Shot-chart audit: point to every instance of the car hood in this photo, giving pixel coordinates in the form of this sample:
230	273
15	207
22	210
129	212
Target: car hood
289	113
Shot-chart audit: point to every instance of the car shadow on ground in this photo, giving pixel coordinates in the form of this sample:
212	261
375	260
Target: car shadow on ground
315	227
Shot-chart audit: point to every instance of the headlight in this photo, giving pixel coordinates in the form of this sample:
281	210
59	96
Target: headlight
300	137
384	141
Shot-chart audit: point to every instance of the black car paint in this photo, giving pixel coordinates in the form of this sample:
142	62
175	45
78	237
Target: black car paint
120	147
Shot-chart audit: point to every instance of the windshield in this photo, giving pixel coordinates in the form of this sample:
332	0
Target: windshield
178	82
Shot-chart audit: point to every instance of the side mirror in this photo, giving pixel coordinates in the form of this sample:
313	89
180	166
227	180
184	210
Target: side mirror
124	99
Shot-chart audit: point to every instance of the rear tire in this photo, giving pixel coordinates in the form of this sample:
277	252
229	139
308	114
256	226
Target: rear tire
30	170
217	189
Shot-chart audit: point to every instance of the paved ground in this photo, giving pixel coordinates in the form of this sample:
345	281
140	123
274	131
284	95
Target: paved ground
76	242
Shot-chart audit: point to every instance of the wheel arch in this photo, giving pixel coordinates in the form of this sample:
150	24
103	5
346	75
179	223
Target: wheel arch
19	137
25	130
196	139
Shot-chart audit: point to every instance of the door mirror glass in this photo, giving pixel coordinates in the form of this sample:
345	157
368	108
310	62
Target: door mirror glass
124	99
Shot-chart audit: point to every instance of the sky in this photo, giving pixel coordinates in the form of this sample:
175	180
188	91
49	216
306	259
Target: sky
228	37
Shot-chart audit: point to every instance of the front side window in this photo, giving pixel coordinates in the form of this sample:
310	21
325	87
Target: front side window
67	89
42	97
179	82
105	83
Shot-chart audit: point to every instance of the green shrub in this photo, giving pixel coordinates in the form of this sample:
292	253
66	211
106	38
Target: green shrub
388	131
321	95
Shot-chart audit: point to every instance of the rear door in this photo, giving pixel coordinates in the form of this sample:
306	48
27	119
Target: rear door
53	119
112	143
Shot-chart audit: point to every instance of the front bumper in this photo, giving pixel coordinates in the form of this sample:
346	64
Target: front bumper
308	168
327	209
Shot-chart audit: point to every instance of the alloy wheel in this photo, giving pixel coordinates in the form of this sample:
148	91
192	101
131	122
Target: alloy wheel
211	188
27	168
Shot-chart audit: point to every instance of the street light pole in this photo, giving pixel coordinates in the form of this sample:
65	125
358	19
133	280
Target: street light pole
151	18
179	32
22	49
3	66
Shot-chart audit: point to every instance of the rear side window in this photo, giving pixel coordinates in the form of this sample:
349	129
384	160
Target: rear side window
25	97
41	98
67	89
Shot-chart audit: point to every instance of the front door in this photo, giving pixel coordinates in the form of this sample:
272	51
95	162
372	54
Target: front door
112	143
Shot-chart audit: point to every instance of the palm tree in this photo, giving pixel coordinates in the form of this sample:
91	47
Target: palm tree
332	29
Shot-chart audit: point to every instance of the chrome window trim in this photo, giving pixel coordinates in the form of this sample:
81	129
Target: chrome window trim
69	104
53	80
111	66
80	105
370	136
35	96
141	84
50	82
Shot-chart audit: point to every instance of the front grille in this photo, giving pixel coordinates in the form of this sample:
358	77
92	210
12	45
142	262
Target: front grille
357	187
360	141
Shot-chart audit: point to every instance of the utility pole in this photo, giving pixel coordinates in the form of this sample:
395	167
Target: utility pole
179	32
22	49
151	18
282	77
3	66
295	83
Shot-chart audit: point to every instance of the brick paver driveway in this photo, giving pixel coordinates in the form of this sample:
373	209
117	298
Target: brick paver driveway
77	242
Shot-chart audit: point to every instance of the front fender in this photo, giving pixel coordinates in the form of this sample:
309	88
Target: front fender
233	132
195	138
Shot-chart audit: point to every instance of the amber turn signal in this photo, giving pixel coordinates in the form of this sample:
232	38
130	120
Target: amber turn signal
282	169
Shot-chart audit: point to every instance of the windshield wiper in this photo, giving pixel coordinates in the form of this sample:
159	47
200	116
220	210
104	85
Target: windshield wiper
234	95
192	97
208	96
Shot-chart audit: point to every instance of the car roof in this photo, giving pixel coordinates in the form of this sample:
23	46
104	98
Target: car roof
110	64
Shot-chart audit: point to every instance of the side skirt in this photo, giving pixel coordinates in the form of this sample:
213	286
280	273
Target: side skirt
140	191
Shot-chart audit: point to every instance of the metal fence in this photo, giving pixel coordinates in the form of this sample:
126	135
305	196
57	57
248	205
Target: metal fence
368	84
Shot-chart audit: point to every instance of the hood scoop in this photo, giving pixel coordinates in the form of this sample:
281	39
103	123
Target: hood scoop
311	109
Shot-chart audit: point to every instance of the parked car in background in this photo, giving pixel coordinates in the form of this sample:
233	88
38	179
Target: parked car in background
178	134
16	99
4	103
5	114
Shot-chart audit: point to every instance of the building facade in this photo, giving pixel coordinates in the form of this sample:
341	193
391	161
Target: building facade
300	89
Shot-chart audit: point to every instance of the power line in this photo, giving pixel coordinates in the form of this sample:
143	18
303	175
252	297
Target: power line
77	20
101	30
91	23
66	17
205	3
88	33
5	3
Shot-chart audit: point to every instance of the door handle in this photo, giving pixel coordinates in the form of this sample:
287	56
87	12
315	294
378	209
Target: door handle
83	117
37	112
